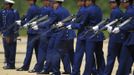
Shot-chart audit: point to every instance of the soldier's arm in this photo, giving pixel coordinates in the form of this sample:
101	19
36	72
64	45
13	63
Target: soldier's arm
17	16
82	22
52	19
29	15
128	27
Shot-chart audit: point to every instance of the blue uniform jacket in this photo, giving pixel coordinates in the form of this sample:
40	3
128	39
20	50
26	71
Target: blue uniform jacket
116	13
7	19
58	15
31	13
44	11
130	26
92	16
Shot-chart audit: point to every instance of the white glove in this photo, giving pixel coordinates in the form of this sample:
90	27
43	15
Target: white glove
18	22
116	30
69	27
95	28
73	19
35	27
109	29
34	23
59	24
26	25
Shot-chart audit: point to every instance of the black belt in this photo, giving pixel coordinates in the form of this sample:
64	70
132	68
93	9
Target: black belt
131	31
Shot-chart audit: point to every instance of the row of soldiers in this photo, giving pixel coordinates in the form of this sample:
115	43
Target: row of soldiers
51	33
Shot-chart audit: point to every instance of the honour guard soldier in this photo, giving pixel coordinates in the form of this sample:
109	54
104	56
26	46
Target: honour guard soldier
32	12
57	36
92	16
46	9
115	40
125	57
82	8
8	17
80	54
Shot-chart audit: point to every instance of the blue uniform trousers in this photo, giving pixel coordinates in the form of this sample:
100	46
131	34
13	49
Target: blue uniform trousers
131	51
42	52
67	52
114	50
9	50
125	62
32	44
100	61
89	47
54	55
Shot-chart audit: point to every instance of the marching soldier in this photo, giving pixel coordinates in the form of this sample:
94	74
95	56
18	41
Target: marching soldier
82	8
92	16
125	56
54	52
44	39
115	40
8	17
32	12
80	54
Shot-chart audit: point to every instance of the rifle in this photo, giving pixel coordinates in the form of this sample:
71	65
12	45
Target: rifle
90	29
125	22
68	19
29	24
109	24
54	27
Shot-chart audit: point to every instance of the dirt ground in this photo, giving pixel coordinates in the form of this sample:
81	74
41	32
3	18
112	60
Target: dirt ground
21	49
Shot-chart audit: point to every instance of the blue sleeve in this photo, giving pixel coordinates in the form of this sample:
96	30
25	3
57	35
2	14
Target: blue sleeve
129	26
128	14
31	13
17	16
52	19
82	22
115	14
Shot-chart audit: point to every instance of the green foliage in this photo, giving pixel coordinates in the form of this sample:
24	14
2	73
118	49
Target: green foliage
21	6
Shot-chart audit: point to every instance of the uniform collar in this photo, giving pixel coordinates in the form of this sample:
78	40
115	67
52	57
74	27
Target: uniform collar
33	4
91	5
116	7
8	9
45	6
59	6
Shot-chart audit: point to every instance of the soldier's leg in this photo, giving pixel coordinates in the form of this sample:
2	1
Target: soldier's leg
36	46
71	50
12	53
29	52
78	55
94	68
43	44
6	52
113	51
55	55
48	65
123	68
56	63
90	47
100	57
131	51
66	62
64	53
